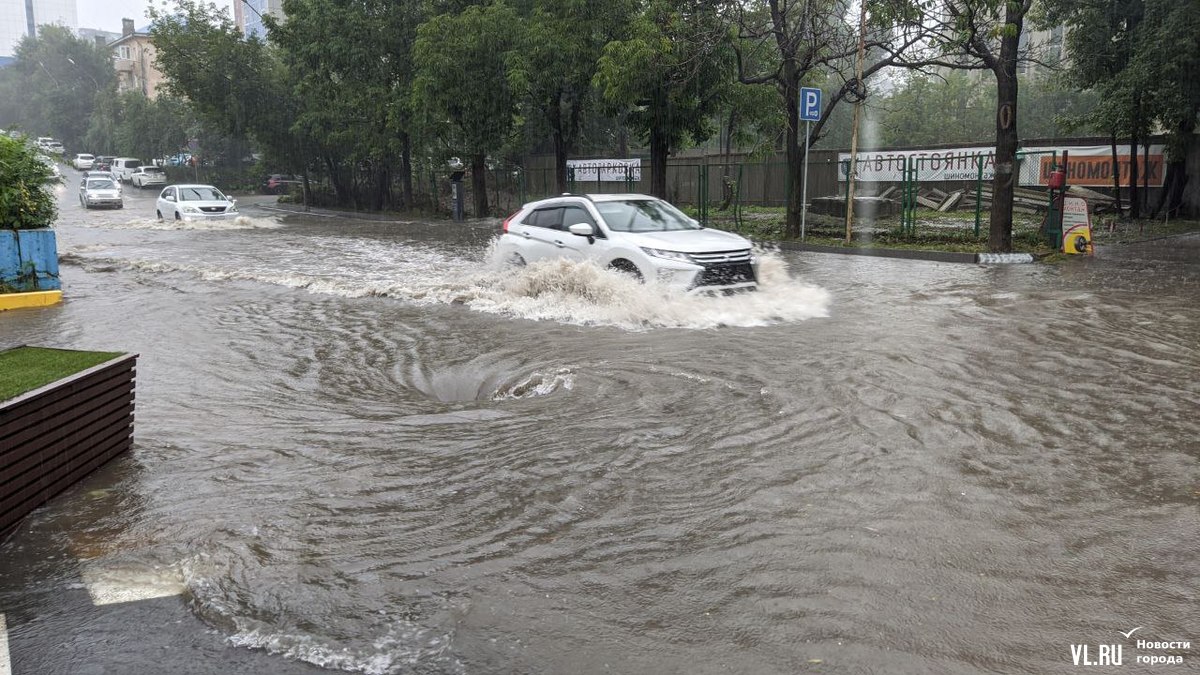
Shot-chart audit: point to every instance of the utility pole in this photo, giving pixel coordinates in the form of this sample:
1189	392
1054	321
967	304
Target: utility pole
860	94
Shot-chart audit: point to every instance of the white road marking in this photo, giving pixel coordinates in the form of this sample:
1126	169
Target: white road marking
5	662
112	585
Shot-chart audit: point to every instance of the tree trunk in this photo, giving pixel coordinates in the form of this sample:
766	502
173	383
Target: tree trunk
1001	223
379	195
337	181
406	179
794	153
659	149
479	184
560	160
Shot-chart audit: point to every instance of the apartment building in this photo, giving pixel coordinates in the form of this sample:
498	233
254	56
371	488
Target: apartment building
133	59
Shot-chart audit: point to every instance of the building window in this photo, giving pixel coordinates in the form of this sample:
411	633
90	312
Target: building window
123	52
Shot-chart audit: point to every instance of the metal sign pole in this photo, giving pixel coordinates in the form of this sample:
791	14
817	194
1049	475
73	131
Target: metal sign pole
804	180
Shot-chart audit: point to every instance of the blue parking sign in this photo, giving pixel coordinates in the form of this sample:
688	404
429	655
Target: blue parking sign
810	104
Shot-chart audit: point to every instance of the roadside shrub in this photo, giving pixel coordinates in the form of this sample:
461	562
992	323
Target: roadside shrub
26	200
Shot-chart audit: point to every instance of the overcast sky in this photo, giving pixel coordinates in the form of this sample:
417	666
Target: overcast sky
107	14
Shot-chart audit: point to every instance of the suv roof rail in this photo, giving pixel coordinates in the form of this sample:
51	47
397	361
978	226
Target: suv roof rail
572	194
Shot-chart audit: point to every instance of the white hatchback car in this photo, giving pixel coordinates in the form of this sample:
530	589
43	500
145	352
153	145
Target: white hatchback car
84	162
641	235
195	202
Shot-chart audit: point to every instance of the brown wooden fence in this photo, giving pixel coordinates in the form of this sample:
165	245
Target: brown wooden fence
52	437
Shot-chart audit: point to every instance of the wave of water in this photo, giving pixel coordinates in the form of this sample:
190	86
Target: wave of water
579	293
239	223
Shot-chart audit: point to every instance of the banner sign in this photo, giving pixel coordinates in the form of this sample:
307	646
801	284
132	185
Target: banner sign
605	170
1087	165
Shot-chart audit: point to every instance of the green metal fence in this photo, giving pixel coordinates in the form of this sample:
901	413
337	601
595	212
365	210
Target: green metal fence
918	170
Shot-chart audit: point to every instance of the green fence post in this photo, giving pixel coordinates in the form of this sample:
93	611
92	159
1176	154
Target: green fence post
979	195
737	201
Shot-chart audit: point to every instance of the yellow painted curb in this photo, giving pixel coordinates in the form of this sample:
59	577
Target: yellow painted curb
35	299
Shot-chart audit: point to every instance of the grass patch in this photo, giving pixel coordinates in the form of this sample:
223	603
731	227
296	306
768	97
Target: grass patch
1109	229
26	368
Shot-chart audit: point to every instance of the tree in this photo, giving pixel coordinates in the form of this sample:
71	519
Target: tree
988	32
552	69
787	45
352	64
236	87
668	73
462	88
51	87
1141	57
25	200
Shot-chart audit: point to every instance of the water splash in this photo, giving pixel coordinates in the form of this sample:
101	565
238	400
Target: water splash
239	223
579	293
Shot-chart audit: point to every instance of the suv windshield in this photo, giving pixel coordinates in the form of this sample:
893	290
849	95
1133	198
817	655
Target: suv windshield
200	194
644	215
151	169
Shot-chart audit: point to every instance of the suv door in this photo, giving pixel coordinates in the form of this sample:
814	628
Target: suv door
538	231
574	246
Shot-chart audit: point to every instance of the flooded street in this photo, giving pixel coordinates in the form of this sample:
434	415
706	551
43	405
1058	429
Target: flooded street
362	446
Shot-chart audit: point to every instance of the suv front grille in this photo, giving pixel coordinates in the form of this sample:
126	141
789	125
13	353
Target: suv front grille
213	209
724	268
721	257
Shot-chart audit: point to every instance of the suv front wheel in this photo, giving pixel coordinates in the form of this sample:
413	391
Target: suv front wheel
626	267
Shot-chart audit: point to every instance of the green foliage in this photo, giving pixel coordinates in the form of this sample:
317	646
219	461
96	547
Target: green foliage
960	108
26	201
131	125
669	71
462	87
53	84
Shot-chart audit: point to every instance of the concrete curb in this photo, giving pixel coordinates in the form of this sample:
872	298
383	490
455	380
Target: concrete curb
905	254
31	299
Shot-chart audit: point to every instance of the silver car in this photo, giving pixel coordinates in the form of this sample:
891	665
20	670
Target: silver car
100	192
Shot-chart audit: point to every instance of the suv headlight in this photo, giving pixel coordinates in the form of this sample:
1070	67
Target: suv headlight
667	255
190	209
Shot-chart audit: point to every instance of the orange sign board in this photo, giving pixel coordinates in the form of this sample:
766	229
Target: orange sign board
1097	170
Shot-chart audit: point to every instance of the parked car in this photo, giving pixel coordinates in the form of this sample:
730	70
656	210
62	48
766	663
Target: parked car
278	183
640	235
146	176
101	192
124	167
55	147
195	202
102	163
84	162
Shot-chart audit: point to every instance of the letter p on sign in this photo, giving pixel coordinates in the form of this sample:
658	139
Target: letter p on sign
810	104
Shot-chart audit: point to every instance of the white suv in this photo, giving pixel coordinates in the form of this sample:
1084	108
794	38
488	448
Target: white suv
641	235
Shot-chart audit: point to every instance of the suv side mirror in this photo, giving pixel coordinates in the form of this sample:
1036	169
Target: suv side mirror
582	230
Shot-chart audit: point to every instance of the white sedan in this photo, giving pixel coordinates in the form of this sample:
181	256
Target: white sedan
195	202
84	162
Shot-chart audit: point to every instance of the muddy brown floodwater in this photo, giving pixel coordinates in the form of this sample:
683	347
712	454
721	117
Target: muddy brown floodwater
361	446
